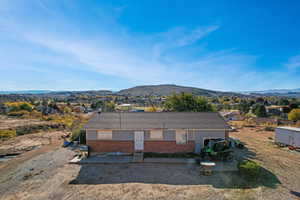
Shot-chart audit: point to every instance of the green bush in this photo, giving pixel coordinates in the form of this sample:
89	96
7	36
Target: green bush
249	169
78	134
6	134
269	128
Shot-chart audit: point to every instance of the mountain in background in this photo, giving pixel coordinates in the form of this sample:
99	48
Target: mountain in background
165	90
276	92
159	90
26	92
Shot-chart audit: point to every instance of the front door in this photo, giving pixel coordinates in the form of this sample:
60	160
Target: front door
139	140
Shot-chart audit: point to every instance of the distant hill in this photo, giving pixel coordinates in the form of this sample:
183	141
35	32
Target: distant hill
155	90
26	92
276	92
165	90
50	93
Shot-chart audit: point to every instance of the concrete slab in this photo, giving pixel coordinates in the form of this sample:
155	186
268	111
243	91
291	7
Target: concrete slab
225	166
220	166
170	160
102	160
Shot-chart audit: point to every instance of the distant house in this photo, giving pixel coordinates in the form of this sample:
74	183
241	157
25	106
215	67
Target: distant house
276	110
232	115
288	136
124	107
162	132
265	120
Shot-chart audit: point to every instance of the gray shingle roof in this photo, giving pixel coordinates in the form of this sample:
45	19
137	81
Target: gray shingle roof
153	120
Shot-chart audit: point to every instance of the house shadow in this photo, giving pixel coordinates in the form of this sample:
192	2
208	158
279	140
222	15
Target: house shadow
172	174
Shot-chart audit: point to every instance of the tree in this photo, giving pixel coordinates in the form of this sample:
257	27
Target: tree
244	106
259	110
109	106
294	115
97	104
26	106
283	102
187	102
17	106
293	106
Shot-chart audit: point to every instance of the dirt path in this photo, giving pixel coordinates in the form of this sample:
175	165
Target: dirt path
44	142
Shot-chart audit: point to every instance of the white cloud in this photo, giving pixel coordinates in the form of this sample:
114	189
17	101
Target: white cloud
293	62
139	59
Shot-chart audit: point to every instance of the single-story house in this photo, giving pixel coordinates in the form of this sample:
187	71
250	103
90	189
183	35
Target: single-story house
264	120
124	107
162	132
288	136
232	115
277	110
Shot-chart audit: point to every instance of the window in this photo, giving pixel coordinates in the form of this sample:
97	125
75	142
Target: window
104	135
156	134
181	137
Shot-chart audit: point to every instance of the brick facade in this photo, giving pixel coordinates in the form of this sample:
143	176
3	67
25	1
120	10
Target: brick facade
168	146
149	146
110	146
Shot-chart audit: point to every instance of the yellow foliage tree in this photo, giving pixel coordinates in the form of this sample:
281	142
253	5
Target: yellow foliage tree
294	115
17	106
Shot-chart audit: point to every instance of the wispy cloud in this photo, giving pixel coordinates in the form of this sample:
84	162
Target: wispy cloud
112	51
293	62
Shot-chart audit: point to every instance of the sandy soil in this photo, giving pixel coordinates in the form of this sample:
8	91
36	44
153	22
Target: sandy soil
48	175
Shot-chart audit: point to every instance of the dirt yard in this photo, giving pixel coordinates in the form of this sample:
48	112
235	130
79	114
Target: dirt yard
47	175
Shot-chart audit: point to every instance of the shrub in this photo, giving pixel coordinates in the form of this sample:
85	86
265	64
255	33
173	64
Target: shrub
78	134
22	130
249	169
6	134
21	113
269	128
17	106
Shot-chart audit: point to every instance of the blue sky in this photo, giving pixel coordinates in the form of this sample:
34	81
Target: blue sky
77	45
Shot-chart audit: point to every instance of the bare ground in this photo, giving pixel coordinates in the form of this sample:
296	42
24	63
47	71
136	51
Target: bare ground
28	142
10	122
48	176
